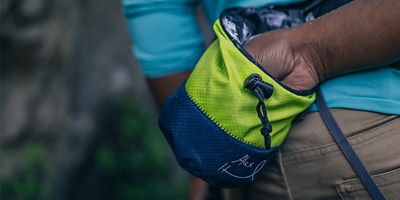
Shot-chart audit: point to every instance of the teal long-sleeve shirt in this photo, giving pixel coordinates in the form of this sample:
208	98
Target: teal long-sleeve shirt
167	40
166	35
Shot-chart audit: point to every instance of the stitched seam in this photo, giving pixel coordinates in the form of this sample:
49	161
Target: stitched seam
375	137
284	176
323	148
360	186
334	145
375	129
379	183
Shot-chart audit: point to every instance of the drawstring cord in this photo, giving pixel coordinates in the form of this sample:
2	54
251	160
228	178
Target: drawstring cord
261	90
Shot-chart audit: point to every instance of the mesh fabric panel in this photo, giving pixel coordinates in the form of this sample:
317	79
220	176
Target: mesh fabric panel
216	86
205	150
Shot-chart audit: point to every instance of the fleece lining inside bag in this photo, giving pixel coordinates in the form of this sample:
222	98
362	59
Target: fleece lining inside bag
228	120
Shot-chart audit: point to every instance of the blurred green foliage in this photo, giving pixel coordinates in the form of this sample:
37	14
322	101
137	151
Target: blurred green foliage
137	160
28	183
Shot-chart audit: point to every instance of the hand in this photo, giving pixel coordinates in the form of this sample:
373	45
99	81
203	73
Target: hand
349	39
277	53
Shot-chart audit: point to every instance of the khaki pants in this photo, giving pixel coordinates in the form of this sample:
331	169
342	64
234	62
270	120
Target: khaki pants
311	166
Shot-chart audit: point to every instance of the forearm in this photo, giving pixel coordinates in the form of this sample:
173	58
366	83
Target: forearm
357	36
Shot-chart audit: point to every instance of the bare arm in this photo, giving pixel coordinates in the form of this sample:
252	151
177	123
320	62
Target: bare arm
360	35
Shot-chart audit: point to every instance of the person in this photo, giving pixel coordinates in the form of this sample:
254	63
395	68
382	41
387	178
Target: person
168	42
354	52
351	53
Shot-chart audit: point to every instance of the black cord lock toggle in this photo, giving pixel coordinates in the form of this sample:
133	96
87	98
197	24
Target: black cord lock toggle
261	90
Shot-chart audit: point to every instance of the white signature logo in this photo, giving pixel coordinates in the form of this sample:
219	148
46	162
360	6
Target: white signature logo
244	162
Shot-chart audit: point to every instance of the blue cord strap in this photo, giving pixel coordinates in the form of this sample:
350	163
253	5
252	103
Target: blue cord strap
348	151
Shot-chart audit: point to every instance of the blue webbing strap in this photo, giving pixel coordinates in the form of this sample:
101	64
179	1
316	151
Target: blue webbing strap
348	151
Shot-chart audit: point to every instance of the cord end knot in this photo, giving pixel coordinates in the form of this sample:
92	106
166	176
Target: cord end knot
261	90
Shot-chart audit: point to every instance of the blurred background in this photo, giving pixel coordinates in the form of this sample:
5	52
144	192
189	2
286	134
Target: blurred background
77	118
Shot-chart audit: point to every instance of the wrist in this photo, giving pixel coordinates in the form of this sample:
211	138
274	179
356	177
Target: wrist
310	53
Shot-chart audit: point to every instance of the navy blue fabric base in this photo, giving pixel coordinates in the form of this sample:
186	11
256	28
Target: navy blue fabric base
206	151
